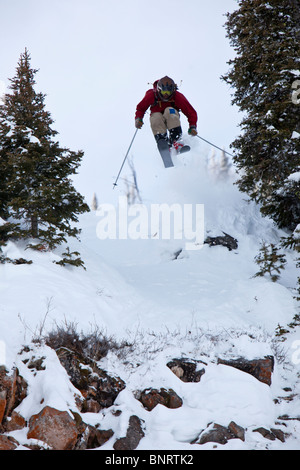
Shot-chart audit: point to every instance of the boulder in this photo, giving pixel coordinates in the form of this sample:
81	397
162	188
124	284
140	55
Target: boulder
2	404
55	428
15	422
215	433
224	240
261	369
133	436
89	437
271	434
220	434
8	443
150	397
13	389
186	369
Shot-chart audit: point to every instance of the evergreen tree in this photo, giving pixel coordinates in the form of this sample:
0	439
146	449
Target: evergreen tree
36	191
265	36
270	261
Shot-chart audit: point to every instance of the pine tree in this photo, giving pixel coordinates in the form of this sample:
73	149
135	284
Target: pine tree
265	36
36	191
270	261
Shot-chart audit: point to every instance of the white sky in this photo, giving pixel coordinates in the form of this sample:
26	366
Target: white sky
96	59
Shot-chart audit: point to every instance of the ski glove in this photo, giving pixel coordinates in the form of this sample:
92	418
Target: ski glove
139	123
192	131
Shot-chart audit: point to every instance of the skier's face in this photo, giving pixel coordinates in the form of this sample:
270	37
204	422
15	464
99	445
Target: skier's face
165	95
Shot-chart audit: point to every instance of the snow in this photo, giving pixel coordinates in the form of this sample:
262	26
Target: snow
294	176
204	305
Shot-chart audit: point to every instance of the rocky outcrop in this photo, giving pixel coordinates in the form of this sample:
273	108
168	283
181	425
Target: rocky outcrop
66	430
98	389
261	369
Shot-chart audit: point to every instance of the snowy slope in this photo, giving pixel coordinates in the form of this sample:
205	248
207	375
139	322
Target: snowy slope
205	304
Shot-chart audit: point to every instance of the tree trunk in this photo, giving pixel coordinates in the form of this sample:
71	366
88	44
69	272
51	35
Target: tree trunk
34	226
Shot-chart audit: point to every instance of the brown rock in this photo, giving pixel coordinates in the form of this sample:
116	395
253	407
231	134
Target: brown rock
237	430
90	406
278	434
266	433
8	443
133	436
215	433
151	397
2	404
15	422
89	437
261	369
13	388
8	384
97	437
55	428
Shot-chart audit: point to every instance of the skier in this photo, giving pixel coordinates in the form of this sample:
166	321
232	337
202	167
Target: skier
165	102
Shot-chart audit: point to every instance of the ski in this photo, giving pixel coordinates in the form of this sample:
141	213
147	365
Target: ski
184	149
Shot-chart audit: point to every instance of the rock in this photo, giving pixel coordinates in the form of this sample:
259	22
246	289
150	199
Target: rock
92	438
215	433
13	389
220	434
91	406
237	430
271	434
278	434
2	404
261	369
15	422
133	436
89	437
8	443
98	437
185	370
55	428
151	397
266	433
226	240
95	384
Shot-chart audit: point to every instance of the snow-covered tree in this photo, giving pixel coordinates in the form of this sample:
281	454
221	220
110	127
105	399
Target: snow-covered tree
265	36
36	190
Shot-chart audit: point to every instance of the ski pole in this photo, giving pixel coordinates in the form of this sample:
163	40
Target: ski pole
222	150
115	183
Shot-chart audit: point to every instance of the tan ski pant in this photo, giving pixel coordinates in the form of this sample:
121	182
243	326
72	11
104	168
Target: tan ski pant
160	122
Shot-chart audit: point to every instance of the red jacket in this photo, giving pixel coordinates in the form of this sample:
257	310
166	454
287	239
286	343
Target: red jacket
177	101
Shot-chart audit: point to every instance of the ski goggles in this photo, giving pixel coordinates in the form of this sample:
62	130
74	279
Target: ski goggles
166	90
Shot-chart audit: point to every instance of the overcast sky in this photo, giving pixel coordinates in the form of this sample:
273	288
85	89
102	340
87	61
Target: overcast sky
96	59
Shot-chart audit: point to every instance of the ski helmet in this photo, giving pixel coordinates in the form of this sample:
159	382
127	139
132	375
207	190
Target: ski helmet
166	87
